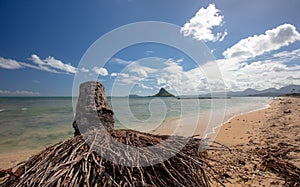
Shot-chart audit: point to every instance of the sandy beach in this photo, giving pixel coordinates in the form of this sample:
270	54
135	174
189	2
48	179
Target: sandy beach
263	146
248	139
8	160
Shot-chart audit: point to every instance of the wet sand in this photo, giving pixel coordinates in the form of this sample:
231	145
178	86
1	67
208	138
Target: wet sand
11	159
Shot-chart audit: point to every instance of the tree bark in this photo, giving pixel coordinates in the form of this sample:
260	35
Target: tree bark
92	110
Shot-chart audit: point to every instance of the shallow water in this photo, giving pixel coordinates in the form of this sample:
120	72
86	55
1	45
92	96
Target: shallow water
34	122
28	123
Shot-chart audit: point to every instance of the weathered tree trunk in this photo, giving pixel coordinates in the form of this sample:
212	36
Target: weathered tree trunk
92	110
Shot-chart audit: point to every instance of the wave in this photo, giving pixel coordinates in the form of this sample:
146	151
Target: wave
24	109
1	110
230	117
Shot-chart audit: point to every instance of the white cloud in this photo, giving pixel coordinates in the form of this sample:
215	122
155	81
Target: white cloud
57	64
242	67
41	65
256	45
120	61
174	77
200	27
36	59
237	74
145	87
9	64
84	70
126	79
141	71
49	64
267	73
124	75
288	56
52	65
100	71
18	93
167	73
222	36
180	60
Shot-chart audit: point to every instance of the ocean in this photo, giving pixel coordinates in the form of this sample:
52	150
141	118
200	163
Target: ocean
31	123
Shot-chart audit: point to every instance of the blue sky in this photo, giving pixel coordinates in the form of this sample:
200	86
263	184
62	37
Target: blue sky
255	44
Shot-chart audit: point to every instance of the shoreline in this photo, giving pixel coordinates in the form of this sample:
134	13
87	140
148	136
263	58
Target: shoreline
257	148
168	127
252	138
237	115
182	126
251	116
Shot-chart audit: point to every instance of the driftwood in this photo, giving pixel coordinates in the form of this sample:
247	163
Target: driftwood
75	162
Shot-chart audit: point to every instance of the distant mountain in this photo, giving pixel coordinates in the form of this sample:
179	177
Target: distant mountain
249	91
163	93
290	89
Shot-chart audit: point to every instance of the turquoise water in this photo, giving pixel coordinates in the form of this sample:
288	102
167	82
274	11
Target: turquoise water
155	110
147	110
28	123
34	122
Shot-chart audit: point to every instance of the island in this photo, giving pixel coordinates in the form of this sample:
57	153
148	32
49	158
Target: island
163	93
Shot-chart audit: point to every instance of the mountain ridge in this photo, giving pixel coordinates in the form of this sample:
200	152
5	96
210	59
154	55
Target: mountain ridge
290	89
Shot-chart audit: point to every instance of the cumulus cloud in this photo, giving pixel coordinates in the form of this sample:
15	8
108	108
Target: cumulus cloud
262	74
200	27
256	45
141	71
18	93
167	73
237	74
100	71
245	67
251	63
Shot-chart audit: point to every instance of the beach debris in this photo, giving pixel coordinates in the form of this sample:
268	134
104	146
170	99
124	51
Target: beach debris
274	160
270	158
287	111
73	162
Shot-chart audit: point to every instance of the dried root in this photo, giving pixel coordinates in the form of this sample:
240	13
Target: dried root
74	163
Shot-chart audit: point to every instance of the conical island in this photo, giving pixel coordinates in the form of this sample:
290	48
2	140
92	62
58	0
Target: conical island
163	93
